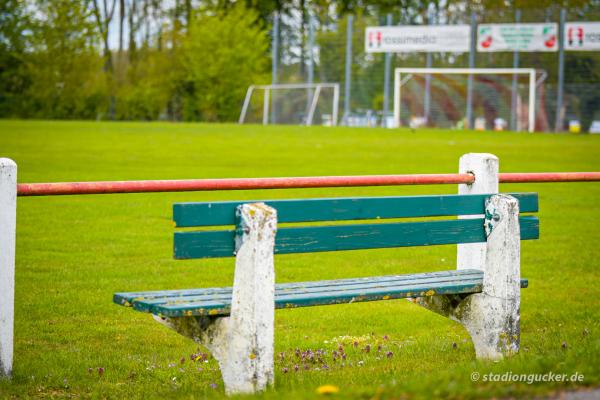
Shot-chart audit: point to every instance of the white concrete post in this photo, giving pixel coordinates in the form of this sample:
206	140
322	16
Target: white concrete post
485	168
8	225
250	358
492	317
243	343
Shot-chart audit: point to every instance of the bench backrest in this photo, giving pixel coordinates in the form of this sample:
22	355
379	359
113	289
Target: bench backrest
306	239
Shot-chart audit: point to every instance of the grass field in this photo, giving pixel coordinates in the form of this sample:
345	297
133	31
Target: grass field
74	252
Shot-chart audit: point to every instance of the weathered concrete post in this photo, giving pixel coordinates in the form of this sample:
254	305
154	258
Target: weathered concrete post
8	225
491	317
243	343
485	168
250	358
488	315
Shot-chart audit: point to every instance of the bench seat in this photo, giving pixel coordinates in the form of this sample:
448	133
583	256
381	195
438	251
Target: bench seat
217	301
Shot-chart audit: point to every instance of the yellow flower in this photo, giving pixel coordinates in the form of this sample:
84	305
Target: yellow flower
328	389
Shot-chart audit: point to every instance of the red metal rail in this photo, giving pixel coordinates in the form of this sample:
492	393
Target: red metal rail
531	177
188	185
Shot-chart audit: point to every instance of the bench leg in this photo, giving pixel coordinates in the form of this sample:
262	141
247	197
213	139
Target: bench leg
243	343
492	317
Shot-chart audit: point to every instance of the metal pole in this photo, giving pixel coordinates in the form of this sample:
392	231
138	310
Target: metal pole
275	61
348	69
266	107
513	98
194	185
558	125
532	90
397	98
429	60
386	81
199	185
311	65
246	103
472	52
336	104
313	107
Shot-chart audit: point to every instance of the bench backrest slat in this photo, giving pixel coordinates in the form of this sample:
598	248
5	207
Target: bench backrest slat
338	209
207	244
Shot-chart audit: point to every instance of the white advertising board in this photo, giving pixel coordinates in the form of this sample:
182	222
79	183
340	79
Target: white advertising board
582	36
517	37
406	39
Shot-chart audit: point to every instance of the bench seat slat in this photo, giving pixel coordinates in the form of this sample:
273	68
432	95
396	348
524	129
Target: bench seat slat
124	298
337	209
208	244
143	304
217	301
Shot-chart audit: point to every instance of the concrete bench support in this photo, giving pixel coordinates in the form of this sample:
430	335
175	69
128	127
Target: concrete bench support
8	224
243	343
491	317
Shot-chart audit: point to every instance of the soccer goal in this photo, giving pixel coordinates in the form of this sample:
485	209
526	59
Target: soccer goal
480	98
293	103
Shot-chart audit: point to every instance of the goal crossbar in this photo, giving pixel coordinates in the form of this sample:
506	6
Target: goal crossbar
285	86
531	72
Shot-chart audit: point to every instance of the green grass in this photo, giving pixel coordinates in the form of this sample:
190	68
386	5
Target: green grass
74	252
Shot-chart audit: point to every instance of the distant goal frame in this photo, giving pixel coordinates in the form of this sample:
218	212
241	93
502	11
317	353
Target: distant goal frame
286	86
398	72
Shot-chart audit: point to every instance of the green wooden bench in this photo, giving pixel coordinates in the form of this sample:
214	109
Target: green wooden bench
236	323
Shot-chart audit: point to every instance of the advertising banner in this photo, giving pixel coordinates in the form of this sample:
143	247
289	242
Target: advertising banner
517	37
582	36
406	39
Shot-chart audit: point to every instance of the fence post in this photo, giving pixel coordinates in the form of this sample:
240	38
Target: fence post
311	67
485	168
558	125
348	69
275	61
428	63
8	225
513	99
386	80
472	52
266	107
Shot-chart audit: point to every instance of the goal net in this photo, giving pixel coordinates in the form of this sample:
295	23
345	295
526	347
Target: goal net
299	104
476	98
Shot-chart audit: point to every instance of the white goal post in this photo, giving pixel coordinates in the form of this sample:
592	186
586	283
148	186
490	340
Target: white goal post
311	104
402	75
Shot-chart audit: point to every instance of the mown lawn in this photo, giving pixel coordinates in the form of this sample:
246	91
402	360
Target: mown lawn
74	252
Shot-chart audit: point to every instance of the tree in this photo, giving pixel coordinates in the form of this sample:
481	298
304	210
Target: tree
63	63
104	16
14	22
222	55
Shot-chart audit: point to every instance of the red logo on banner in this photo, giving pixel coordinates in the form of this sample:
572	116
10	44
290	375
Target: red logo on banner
487	42
377	36
578	32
